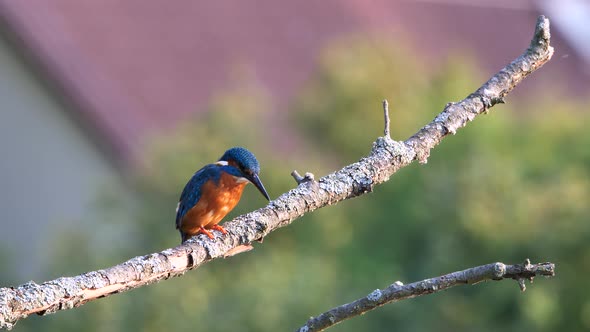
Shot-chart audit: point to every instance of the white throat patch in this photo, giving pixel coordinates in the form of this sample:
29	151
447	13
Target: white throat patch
221	163
241	179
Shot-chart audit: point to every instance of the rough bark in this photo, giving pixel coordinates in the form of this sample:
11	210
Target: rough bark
386	157
398	291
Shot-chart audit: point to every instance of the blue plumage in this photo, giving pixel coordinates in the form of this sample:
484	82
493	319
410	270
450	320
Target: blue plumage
192	191
243	158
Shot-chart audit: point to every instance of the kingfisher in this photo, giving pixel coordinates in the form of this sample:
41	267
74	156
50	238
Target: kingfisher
214	190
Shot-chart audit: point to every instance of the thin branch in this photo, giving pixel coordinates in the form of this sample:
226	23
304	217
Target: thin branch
386	117
386	157
398	291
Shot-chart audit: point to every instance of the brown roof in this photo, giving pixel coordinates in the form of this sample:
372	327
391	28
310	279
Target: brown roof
135	66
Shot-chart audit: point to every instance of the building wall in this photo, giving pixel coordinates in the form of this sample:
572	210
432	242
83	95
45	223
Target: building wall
50	170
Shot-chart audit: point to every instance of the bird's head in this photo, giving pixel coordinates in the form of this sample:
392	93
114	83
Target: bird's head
243	164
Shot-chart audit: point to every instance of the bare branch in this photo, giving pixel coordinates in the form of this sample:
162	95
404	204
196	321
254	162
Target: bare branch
386	116
398	291
386	157
302	179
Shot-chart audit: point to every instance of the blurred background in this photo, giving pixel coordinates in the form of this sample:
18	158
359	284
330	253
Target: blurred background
108	107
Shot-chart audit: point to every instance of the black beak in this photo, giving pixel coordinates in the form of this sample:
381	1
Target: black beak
256	181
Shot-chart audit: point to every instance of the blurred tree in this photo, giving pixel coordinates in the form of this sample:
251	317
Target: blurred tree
506	188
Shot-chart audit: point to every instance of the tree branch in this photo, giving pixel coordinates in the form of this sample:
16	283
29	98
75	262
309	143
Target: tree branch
386	157
398	291
386	119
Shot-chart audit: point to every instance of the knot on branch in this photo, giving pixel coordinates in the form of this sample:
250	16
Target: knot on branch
528	271
302	179
499	270
362	185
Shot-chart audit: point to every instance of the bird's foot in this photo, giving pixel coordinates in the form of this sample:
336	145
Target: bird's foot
219	228
206	232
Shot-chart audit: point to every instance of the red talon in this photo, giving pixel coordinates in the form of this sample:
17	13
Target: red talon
219	228
206	232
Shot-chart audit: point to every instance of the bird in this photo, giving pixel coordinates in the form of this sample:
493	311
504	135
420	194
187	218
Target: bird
214	190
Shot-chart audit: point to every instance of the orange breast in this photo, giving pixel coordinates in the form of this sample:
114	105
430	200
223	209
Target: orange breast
215	203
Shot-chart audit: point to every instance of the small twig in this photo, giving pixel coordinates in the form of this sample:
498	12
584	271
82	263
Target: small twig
386	115
398	291
302	179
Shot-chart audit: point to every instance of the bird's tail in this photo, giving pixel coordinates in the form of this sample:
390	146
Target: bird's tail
183	237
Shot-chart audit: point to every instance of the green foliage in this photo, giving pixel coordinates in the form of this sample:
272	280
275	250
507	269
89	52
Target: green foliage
507	187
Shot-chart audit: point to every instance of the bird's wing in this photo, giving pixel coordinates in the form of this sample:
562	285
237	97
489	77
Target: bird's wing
192	191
